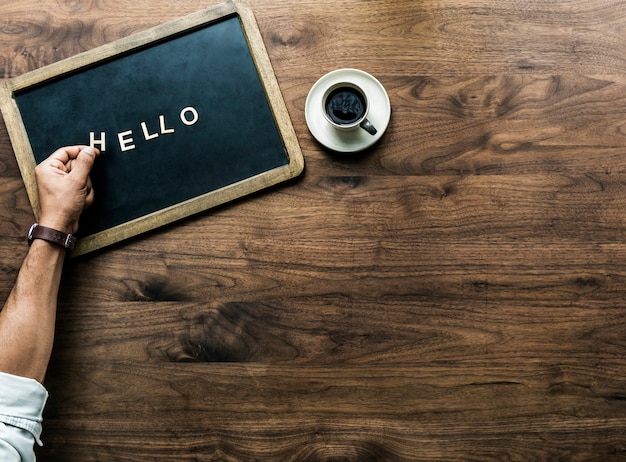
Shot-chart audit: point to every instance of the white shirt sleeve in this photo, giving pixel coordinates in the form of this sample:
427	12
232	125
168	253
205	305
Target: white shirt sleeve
22	402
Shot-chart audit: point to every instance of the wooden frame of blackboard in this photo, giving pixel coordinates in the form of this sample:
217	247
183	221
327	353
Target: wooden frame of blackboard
134	43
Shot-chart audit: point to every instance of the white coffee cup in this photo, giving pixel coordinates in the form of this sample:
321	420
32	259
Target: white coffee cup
345	107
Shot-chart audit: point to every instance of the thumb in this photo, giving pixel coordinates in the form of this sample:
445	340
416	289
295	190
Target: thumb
82	165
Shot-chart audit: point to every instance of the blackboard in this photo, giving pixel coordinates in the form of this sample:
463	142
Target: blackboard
187	116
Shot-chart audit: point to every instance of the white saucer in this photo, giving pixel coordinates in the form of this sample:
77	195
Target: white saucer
353	140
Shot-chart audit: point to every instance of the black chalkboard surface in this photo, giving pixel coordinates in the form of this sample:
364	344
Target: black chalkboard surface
186	117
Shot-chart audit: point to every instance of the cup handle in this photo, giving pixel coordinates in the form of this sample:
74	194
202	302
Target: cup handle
368	127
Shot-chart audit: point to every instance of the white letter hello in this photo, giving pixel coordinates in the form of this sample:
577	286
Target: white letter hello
188	116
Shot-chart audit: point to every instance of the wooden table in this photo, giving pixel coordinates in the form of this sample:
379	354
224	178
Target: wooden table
454	293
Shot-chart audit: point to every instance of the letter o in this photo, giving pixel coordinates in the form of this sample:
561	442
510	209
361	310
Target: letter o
194	114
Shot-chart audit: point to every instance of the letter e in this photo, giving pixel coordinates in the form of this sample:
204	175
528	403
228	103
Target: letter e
126	144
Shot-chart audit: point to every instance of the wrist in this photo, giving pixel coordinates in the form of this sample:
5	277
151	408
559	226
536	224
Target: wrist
54	236
52	252
56	223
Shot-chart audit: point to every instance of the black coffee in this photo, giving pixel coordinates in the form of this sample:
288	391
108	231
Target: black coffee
345	105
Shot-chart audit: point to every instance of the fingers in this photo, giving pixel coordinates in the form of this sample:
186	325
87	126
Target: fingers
90	194
57	164
81	165
78	158
67	153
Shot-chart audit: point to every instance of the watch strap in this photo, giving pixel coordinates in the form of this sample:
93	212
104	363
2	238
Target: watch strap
65	240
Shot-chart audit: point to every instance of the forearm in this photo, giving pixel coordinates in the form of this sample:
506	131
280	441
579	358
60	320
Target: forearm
28	318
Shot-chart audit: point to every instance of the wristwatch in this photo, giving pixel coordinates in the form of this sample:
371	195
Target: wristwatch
65	240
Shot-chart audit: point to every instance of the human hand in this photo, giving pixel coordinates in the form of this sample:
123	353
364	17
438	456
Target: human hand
64	187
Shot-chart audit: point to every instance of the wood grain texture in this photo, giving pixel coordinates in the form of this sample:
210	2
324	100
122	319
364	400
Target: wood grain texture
454	293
